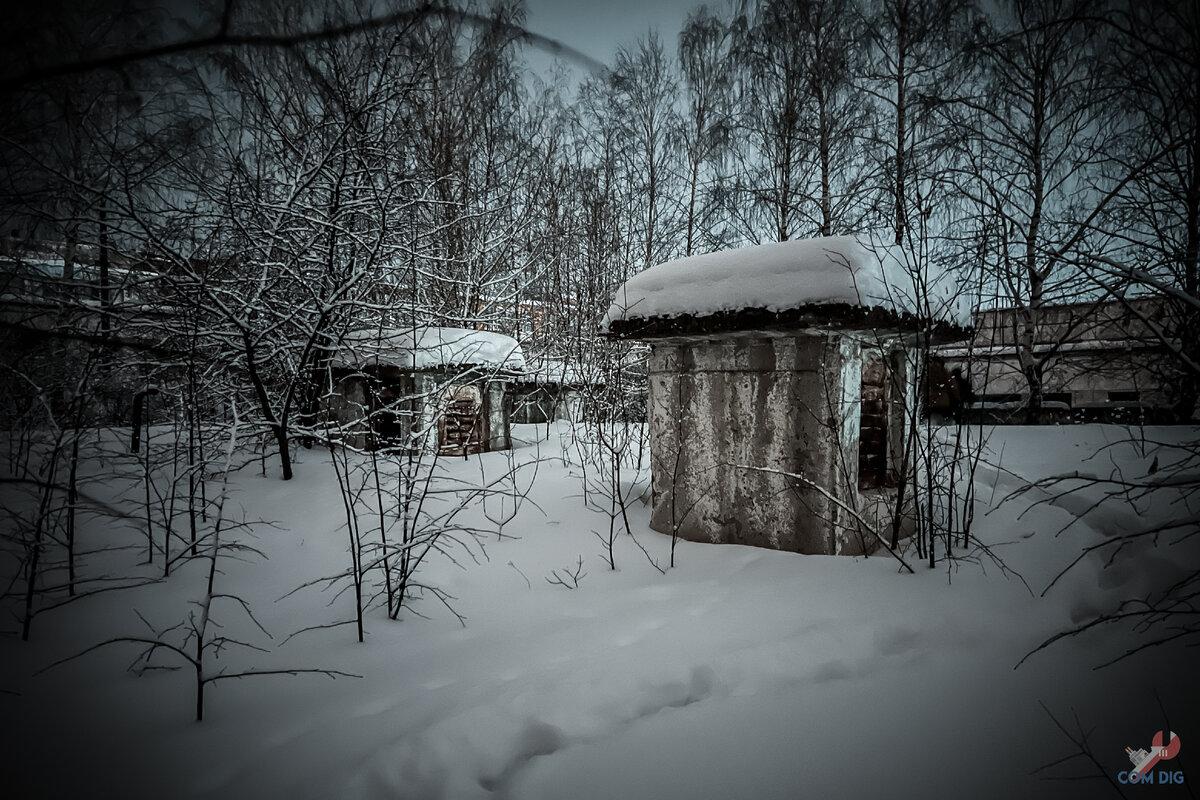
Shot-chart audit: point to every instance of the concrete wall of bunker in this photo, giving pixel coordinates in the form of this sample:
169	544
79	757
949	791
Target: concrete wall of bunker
728	415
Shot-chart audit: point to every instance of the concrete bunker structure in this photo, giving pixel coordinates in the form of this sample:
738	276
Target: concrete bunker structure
782	379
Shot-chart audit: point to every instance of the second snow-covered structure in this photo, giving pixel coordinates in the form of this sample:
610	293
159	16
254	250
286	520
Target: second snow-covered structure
780	379
395	386
551	389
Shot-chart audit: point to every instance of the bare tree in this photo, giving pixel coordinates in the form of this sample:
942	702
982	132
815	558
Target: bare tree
1037	134
910	64
1156	219
706	124
198	639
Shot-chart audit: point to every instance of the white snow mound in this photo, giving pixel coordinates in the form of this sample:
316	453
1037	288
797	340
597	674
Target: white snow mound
787	275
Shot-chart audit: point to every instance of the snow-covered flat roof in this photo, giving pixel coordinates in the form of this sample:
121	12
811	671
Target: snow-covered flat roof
1101	346
782	276
427	348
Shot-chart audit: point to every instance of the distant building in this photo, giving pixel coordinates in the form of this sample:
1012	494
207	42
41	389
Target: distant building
1101	361
779	391
54	272
534	316
66	320
550	389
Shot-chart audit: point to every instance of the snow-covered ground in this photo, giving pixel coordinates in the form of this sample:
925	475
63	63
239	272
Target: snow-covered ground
740	673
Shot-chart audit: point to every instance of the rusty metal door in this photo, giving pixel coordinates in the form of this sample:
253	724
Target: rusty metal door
460	429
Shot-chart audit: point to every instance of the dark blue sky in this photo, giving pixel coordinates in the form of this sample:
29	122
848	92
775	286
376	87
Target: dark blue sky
597	27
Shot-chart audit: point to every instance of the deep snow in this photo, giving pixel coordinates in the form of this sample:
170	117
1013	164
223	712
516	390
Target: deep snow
740	673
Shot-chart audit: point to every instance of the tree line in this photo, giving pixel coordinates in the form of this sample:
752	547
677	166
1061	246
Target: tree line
281	187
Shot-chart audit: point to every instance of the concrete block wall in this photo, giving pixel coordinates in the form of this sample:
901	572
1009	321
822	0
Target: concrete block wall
776	402
789	403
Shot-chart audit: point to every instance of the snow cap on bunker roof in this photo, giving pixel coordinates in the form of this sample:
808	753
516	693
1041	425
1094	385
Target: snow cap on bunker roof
429	348
783	276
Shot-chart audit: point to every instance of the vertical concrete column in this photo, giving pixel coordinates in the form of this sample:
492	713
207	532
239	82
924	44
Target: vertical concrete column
845	394
849	405
569	405
352	408
498	430
425	388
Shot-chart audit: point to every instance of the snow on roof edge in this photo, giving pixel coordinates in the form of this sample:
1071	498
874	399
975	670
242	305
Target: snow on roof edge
781	276
432	347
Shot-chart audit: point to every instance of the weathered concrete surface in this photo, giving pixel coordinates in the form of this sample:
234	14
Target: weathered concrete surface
496	410
721	407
